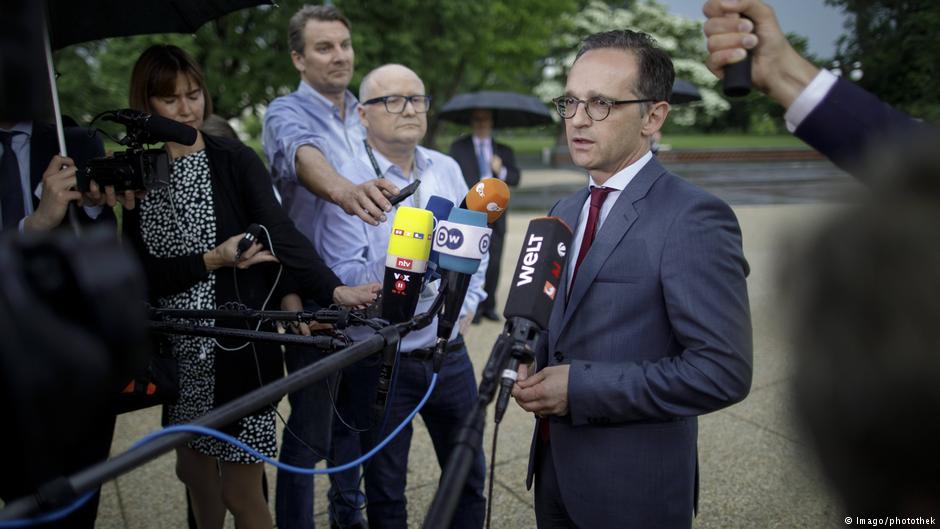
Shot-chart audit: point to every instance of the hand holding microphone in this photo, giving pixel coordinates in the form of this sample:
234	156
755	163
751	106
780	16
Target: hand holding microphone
241	251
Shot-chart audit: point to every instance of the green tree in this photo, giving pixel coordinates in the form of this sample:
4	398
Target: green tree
899	51
454	45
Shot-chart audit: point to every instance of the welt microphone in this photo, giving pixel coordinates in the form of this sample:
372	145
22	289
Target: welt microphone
535	284
405	263
462	241
490	195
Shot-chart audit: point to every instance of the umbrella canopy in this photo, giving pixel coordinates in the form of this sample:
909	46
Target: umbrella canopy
684	92
71	21
510	109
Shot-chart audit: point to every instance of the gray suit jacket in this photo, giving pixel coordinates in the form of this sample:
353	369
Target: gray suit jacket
657	332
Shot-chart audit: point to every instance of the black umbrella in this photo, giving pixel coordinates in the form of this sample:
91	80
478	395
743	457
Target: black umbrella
684	92
71	21
510	109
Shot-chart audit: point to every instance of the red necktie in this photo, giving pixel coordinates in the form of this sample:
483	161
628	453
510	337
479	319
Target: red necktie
598	195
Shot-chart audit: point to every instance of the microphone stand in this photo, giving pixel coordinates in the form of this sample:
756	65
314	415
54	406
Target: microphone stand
64	489
469	438
321	341
340	317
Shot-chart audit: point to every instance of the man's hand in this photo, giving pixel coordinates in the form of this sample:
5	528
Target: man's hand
367	200
544	393
292	303
357	297
58	189
496	163
465	322
776	68
224	255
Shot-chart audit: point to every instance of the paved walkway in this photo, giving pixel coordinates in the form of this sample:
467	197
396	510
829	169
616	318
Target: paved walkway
755	472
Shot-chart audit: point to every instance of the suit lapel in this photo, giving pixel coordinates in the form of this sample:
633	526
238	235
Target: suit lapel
568	210
616	225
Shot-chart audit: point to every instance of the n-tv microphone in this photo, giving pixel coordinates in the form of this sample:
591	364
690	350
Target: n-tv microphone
535	284
490	195
462	241
439	207
406	260
405	263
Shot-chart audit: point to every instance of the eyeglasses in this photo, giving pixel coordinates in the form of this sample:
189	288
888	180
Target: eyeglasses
598	108
396	104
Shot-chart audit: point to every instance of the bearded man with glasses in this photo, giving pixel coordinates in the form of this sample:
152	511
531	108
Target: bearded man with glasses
650	327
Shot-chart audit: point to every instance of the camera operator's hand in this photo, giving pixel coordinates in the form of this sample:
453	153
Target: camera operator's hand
368	200
128	199
357	297
58	189
224	255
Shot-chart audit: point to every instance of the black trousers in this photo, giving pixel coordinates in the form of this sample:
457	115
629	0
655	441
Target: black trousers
492	270
550	511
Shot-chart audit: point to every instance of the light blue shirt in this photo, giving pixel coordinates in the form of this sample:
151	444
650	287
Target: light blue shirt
356	250
20	144
306	117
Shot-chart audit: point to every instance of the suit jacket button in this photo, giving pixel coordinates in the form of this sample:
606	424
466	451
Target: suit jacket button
559	357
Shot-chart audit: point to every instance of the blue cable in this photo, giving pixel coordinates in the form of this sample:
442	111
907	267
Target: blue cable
191	428
49	516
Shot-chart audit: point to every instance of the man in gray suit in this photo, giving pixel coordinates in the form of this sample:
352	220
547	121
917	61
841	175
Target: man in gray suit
651	328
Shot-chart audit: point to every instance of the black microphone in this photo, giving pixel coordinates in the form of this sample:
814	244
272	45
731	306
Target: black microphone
535	283
252	234
151	128
737	79
406	261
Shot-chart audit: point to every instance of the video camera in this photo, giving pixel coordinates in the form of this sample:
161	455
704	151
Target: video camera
136	168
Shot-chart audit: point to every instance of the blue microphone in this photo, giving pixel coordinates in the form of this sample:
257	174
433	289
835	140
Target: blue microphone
439	207
462	241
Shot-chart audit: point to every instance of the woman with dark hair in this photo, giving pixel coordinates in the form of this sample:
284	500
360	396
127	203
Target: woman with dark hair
187	234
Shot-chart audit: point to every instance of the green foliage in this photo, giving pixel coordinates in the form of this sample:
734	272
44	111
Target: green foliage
455	46
899	51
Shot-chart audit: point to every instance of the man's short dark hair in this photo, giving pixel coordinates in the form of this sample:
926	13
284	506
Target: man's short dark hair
295	28
656	73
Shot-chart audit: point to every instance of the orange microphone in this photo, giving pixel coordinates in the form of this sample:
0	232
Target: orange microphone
490	196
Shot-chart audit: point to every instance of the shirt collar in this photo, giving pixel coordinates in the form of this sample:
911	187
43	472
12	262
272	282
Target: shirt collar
623	177
422	162
23	127
351	102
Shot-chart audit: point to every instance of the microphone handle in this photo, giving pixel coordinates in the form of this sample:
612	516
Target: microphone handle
509	377
383	388
737	80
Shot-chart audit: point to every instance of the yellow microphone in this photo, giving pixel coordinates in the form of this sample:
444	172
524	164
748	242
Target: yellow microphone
406	260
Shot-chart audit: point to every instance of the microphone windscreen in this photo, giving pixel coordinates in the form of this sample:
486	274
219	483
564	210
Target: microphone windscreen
539	270
440	208
491	196
409	245
163	129
461	234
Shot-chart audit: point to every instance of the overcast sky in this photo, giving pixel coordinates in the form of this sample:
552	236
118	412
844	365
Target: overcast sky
813	19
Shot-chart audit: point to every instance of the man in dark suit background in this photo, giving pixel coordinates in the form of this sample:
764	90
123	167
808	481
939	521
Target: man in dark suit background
479	157
651	325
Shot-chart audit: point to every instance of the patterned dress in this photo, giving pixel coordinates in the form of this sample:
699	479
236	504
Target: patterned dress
176	220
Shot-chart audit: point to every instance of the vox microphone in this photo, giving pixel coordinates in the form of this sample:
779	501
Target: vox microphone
490	195
535	284
405	264
462	241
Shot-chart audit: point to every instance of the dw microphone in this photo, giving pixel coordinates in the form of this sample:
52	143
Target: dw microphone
462	241
439	207
535	284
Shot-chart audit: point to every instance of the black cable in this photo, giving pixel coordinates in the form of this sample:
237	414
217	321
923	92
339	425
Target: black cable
489	494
